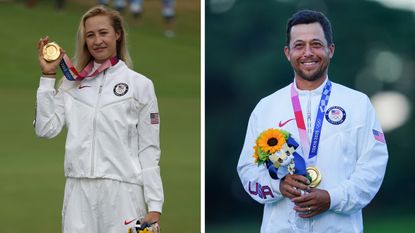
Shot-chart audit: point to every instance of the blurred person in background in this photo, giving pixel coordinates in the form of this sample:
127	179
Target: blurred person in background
120	5
338	133
136	9
112	147
168	15
59	4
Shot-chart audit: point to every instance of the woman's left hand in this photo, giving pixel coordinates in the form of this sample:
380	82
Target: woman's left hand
152	217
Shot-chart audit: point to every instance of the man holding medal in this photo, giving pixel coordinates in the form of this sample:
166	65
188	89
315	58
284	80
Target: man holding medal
340	140
112	148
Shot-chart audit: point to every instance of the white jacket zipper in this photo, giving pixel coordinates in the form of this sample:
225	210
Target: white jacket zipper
94	124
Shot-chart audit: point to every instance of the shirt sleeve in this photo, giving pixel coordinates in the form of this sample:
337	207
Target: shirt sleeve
255	179
149	151
50	111
355	193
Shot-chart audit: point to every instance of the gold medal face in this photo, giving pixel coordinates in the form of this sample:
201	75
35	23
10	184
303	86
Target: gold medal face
315	175
51	52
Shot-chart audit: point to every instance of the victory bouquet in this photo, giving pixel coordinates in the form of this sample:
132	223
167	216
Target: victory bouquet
275	148
144	228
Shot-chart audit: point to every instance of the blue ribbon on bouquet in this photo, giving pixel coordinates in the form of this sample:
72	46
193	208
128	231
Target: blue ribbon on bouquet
299	163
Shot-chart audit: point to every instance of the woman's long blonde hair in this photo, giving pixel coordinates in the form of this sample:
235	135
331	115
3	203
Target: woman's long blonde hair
82	56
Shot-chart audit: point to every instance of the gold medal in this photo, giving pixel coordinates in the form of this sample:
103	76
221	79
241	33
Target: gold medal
315	176
51	52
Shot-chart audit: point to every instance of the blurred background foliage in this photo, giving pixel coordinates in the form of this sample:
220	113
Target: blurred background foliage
375	54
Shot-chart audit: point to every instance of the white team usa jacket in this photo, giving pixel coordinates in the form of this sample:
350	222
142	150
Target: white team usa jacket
112	128
352	158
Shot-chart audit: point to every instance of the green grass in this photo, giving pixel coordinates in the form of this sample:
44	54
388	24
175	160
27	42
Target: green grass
31	169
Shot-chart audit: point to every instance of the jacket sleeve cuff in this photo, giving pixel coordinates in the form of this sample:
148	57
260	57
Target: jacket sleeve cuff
47	83
155	206
335	197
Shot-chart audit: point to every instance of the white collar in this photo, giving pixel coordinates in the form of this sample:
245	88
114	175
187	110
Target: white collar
316	91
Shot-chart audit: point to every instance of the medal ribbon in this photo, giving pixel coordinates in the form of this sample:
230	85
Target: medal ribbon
315	140
67	67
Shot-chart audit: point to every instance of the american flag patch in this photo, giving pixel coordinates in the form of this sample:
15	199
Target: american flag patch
154	118
379	136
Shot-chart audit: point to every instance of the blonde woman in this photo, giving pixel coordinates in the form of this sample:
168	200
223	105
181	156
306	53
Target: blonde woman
112	146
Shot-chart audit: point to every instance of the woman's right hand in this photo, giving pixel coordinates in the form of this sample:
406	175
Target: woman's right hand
47	67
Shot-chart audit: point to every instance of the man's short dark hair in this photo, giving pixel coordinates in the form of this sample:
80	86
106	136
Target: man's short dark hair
309	16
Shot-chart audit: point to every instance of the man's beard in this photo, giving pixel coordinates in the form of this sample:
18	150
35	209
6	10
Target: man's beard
320	73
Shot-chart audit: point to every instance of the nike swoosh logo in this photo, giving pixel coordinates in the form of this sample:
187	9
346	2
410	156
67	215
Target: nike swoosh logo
80	87
128	222
281	124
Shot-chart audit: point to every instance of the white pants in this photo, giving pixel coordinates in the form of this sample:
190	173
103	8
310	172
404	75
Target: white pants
101	205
